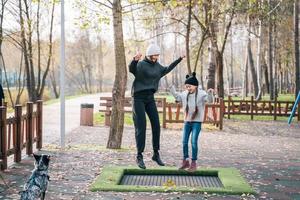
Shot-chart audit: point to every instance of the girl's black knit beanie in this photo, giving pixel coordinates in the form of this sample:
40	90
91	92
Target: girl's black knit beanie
191	79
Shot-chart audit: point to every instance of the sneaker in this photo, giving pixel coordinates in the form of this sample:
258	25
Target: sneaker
185	164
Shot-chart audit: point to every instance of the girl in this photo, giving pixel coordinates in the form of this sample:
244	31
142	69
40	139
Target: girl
193	102
147	74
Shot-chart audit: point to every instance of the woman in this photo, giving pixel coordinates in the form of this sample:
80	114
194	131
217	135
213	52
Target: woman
147	74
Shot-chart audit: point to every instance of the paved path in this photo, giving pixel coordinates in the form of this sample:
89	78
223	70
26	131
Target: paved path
51	120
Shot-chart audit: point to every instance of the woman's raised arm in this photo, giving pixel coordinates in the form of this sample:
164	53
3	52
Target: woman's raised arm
166	70
134	62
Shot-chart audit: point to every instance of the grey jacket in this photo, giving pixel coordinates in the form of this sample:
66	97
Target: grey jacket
147	74
202	98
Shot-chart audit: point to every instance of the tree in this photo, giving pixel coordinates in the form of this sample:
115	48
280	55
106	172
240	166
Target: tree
258	57
118	92
2	11
100	64
219	50
35	84
251	61
20	73
187	41
296	45
270	52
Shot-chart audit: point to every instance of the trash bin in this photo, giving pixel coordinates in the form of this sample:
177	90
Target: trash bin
86	114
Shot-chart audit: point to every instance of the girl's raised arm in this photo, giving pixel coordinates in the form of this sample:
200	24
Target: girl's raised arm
177	95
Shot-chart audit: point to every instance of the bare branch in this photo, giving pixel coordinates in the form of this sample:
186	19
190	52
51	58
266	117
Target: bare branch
144	2
174	32
203	38
199	22
178	20
109	2
138	8
103	4
274	8
228	28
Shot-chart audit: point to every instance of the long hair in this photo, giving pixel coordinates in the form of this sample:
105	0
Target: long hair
187	105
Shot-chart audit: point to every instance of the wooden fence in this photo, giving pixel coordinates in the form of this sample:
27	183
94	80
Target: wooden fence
213	113
20	131
259	108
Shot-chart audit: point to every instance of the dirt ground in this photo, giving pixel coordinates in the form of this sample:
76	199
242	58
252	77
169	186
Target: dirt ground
266	153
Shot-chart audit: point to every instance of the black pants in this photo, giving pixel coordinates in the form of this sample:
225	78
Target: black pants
144	103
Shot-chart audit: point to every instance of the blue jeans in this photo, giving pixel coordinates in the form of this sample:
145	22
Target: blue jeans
194	128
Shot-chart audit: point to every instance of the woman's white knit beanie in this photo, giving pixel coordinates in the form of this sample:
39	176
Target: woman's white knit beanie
153	49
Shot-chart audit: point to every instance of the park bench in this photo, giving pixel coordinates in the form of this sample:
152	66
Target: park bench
235	91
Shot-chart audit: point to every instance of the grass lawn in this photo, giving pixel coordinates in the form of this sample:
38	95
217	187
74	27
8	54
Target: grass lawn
231	179
256	118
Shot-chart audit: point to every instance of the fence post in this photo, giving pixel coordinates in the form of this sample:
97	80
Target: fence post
222	108
3	138
298	111
39	124
18	142
251	108
29	130
275	108
228	106
164	112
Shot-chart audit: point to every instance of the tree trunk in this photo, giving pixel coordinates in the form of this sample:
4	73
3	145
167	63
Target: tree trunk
231	77
252	68
162	55
266	74
227	75
29	33
118	93
136	43
280	76
201	68
24	51
296	46
6	78
187	40
42	82
211	67
258	59
100	66
175	56
53	83
275	61
83	71
35	85
270	53
220	79
245	76
89	68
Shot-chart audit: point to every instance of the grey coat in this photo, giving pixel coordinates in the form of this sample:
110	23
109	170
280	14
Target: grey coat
202	98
